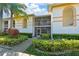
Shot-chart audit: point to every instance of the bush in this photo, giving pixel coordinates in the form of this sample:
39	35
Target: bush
66	36
45	36
13	32
3	33
56	45
27	34
10	41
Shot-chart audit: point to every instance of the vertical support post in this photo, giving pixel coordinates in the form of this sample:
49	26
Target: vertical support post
51	26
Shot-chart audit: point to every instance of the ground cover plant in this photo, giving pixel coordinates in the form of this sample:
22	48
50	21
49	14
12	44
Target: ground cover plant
32	51
54	47
11	41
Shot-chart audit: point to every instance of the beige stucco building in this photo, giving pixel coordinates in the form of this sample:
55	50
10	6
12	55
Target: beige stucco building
62	18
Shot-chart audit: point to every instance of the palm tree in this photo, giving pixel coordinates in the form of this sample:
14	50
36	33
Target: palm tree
16	9
13	9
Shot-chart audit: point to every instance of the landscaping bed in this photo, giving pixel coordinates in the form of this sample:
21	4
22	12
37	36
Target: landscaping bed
11	41
54	47
27	34
66	36
33	51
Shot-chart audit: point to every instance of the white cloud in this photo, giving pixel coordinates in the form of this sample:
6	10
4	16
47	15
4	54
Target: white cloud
35	9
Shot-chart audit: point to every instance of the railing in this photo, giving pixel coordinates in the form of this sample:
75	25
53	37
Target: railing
42	23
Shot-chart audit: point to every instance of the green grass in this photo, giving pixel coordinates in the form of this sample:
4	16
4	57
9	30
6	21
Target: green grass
73	53
31	50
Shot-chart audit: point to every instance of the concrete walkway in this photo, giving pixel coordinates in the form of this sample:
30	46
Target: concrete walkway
16	50
23	46
13	53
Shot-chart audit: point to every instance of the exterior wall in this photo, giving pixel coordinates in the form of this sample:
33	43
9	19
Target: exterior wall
3	24
18	24
57	22
28	29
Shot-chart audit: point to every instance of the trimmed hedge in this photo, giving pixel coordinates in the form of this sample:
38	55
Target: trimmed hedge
45	36
56	45
27	34
11	41
3	34
66	36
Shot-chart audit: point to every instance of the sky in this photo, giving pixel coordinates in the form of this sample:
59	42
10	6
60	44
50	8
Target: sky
37	8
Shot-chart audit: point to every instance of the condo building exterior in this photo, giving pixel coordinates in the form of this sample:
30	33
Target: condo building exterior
62	18
65	18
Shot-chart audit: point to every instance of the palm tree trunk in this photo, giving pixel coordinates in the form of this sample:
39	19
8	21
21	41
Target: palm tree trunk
11	21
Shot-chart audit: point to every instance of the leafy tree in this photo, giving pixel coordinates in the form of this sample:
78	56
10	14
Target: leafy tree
16	9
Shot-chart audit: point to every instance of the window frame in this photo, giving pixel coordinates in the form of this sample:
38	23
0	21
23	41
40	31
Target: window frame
24	26
13	23
74	16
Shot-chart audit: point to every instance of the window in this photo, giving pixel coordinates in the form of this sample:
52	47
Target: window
14	23
24	23
5	26
68	15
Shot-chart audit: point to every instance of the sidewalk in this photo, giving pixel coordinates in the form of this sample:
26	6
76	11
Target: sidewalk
23	46
16	50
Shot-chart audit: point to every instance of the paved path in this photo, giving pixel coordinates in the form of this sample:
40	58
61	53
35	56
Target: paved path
16	50
23	46
12	53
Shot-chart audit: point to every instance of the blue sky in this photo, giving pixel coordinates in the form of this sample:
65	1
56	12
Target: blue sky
37	8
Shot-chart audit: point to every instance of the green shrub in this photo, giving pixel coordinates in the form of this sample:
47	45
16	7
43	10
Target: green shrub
66	36
45	36
27	34
13	32
10	41
56	45
41	44
3	33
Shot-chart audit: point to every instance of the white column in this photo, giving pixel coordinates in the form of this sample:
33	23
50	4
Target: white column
51	26
33	27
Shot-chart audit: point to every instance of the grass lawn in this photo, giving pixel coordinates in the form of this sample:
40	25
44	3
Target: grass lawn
11	41
31	50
